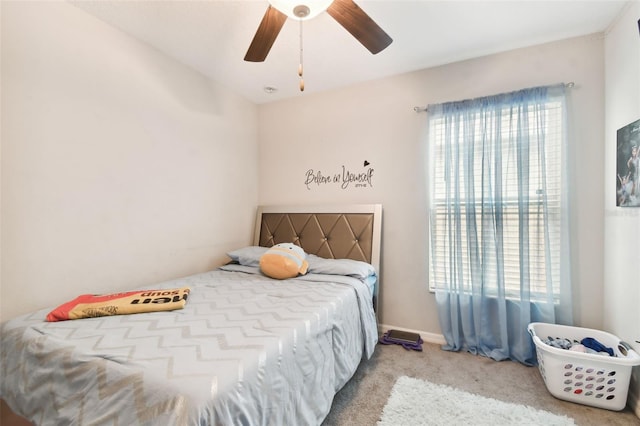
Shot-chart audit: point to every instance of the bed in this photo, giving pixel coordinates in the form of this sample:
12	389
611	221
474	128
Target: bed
245	349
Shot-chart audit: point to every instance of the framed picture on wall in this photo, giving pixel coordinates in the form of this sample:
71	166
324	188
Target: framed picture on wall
628	165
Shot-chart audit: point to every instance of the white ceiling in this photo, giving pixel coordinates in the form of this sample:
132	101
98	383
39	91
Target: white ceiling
212	36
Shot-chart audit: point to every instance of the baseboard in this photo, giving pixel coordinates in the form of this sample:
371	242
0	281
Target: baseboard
438	339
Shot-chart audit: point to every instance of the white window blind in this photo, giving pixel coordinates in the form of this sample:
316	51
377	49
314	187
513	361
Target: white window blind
457	248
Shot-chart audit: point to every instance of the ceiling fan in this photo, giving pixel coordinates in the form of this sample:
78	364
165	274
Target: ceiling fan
345	12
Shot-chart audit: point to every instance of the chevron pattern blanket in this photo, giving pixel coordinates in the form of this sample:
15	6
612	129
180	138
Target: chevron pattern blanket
245	349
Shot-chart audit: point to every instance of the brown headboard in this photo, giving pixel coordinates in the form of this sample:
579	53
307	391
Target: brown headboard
352	231
336	232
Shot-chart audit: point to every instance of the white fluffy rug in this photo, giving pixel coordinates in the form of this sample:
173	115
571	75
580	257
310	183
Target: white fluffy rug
417	402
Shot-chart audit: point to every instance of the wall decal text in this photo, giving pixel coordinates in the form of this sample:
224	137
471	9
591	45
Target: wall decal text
345	178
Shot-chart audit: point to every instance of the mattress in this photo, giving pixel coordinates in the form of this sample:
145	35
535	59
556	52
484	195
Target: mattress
246	349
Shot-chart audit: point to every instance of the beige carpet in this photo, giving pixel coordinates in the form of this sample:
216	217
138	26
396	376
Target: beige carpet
361	401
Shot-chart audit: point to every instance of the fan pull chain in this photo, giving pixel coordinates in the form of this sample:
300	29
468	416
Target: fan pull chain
300	66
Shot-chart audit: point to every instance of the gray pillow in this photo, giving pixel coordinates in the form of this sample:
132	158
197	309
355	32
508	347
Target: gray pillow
348	267
248	256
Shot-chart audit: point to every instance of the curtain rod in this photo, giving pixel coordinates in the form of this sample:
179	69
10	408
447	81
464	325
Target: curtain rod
569	85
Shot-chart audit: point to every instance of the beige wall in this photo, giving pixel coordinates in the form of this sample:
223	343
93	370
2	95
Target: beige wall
622	225
120	166
376	122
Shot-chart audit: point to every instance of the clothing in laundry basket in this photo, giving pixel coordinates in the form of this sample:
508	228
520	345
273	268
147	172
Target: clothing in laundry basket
588	345
559	342
592	343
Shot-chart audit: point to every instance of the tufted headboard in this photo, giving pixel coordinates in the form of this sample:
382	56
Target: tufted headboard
352	231
336	232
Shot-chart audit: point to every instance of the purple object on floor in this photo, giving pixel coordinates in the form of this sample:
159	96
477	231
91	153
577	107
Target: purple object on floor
408	340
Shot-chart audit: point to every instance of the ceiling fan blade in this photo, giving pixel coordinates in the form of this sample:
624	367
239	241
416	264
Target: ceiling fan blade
269	28
360	25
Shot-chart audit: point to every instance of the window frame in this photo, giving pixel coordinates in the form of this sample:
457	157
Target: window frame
554	118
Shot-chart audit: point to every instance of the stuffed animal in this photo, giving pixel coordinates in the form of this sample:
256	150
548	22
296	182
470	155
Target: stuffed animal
283	261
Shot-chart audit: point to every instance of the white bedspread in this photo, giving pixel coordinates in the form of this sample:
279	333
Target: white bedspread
246	350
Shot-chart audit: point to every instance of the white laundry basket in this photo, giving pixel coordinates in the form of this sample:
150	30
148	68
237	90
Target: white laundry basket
598	380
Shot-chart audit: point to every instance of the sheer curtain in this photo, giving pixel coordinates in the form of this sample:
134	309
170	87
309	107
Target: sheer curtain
498	228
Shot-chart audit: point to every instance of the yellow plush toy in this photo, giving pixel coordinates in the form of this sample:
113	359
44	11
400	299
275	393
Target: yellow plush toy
283	261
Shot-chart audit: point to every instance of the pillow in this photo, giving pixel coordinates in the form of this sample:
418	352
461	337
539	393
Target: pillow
285	260
248	256
348	267
130	302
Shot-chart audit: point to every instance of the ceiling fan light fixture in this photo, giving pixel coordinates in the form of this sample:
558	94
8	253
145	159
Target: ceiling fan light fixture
346	12
301	9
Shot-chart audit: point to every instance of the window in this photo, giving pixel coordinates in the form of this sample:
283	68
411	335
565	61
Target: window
495	204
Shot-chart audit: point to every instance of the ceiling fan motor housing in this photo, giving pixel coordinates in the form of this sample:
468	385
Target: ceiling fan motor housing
301	11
